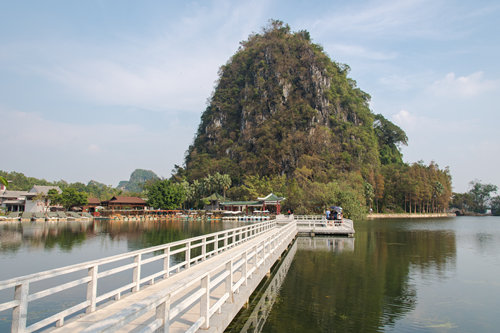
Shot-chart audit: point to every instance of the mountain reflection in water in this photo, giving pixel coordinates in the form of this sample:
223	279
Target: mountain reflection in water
359	284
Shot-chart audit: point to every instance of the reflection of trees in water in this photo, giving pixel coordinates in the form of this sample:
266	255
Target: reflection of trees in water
362	290
64	235
10	240
143	234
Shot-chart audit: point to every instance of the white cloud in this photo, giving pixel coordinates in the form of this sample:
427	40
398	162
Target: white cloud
463	86
396	82
358	51
80	152
384	18
405	119
173	68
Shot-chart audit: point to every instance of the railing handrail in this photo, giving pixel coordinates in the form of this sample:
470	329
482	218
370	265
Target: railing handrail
315	220
71	268
125	316
309	217
19	304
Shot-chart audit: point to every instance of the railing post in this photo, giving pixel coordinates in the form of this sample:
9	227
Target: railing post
19	313
205	302
92	289
229	282
256	257
216	244
245	267
137	273
188	254
166	262
204	249
226	235
266	243
163	314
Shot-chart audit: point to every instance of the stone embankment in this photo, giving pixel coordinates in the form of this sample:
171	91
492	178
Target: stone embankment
408	215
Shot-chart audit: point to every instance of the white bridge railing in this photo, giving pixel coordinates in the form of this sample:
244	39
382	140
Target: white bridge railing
231	274
169	258
319	221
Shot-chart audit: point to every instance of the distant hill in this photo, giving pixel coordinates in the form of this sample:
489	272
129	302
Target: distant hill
137	180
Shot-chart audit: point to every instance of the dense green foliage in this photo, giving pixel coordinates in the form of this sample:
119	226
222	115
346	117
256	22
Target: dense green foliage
164	194
69	198
389	138
495	206
19	182
481	196
198	189
281	104
477	199
285	118
415	188
4	181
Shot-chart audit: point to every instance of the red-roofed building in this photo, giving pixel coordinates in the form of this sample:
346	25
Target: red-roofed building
120	203
91	205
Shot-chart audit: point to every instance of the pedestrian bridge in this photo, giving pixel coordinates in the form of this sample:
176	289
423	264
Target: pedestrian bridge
184	286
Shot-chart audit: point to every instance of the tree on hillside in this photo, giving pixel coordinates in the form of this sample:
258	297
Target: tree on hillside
390	137
164	194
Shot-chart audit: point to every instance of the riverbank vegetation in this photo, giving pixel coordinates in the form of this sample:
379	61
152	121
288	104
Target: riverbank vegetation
17	181
477	200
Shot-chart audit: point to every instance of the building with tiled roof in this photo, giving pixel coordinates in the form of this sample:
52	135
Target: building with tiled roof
122	202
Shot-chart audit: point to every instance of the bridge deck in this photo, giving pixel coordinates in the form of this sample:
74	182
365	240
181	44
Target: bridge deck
311	225
190	283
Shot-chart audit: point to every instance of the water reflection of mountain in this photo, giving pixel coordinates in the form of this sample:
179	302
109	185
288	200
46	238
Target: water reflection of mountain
364	288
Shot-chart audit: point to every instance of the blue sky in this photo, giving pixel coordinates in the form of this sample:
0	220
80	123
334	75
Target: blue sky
96	89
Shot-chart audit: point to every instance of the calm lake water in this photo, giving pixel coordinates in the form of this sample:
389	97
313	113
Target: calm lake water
432	275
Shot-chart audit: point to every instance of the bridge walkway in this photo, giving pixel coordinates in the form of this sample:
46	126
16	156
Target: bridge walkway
230	276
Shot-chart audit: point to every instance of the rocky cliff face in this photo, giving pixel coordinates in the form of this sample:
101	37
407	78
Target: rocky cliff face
282	105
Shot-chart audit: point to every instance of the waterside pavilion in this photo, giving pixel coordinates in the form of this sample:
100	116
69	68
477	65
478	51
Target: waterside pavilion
270	202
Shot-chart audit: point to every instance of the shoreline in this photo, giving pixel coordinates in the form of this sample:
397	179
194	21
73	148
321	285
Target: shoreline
408	215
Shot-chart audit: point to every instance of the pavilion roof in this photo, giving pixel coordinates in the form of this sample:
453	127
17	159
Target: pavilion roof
94	201
271	197
214	197
240	203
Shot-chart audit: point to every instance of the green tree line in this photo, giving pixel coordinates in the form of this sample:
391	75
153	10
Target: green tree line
478	199
19	182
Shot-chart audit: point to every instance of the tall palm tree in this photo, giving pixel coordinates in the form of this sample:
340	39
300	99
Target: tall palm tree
225	181
4	181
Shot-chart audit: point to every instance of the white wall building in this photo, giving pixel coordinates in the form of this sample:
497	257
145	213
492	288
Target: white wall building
33	202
